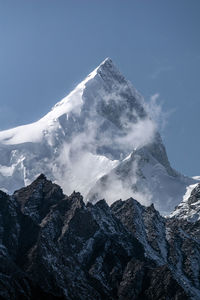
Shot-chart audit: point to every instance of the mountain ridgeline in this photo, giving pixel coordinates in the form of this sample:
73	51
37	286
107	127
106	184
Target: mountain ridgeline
54	246
99	140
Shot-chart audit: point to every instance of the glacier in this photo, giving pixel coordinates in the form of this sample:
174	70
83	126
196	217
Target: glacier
99	140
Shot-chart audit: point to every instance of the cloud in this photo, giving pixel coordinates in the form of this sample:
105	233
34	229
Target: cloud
81	169
161	70
155	110
115	186
139	134
154	97
109	127
79	165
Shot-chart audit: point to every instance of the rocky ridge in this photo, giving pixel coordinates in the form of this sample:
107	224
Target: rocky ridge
54	246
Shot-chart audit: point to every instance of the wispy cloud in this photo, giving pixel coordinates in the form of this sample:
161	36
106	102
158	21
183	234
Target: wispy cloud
158	72
154	108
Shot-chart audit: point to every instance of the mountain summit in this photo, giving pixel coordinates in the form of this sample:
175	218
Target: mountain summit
99	140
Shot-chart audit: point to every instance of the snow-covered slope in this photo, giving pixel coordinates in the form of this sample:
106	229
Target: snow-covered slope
147	175
100	129
189	208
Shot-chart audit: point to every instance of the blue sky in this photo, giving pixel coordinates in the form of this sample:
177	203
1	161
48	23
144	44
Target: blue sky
48	46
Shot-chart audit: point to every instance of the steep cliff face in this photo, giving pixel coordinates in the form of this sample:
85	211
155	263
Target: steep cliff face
171	242
54	246
99	140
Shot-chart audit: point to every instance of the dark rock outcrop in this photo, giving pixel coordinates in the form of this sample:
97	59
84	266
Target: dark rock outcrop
56	247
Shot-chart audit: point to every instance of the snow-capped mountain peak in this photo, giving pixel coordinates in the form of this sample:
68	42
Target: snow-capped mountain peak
33	132
105	74
83	143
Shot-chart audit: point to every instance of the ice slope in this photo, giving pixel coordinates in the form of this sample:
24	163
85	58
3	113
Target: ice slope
100	127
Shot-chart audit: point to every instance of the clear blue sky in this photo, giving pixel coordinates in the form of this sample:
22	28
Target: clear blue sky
48	46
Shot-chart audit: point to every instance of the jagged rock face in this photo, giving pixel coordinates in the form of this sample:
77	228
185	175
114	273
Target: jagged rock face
36	201
173	242
189	208
99	140
61	248
146	224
